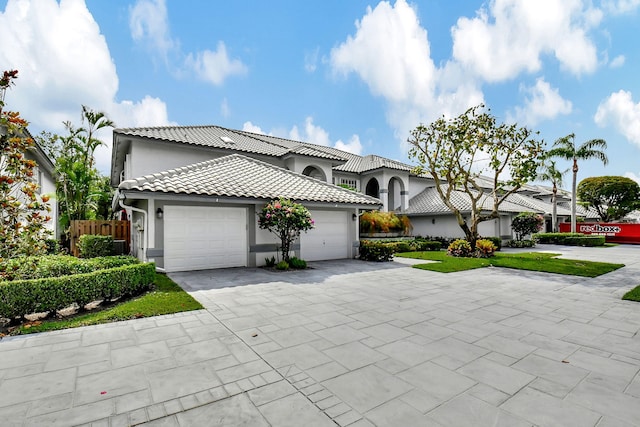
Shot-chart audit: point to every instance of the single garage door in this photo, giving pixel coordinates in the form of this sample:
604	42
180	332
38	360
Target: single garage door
329	239
199	238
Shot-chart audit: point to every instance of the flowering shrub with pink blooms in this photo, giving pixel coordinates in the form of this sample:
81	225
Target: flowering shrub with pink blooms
285	219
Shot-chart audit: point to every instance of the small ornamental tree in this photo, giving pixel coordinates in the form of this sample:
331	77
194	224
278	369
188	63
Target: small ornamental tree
526	223
286	220
23	212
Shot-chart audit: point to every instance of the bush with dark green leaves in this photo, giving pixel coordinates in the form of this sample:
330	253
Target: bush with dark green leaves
521	243
376	251
554	238
50	294
526	223
91	246
297	263
585	241
38	267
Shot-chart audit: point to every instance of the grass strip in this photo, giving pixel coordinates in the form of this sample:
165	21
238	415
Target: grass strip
165	298
633	294
532	261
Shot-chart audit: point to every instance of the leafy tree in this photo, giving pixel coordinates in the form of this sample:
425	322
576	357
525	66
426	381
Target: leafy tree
565	148
23	212
551	173
526	223
612	196
457	151
286	220
79	186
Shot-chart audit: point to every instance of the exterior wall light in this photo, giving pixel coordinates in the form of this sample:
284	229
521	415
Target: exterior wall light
159	213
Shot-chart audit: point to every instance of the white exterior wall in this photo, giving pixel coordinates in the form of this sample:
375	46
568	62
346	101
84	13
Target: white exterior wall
447	226
148	157
417	185
48	187
298	164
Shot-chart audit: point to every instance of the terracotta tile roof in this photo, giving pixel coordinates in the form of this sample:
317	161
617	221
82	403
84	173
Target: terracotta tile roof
240	176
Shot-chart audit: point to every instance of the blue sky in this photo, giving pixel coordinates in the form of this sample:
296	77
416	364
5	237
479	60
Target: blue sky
354	74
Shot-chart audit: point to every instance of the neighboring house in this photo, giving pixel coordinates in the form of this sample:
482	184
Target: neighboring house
193	192
45	178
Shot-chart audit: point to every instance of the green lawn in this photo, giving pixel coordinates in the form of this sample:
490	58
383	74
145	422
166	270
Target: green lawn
166	298
633	294
534	261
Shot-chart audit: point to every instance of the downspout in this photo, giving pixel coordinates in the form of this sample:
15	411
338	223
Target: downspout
144	214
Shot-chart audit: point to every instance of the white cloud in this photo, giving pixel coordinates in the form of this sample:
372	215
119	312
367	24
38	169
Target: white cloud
148	22
250	127
620	111
618	7
311	60
312	133
353	146
214	66
617	62
224	108
390	52
511	36
45	35
542	102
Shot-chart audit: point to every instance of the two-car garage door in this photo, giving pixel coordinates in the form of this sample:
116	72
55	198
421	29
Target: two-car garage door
199	237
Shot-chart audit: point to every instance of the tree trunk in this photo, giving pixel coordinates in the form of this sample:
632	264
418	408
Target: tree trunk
574	196
554	212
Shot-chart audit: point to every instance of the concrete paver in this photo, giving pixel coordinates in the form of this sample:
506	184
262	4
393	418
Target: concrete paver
349	343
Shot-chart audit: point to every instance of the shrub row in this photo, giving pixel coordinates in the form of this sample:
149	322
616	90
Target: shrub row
39	267
383	251
91	246
570	239
22	297
485	248
446	241
521	243
585	241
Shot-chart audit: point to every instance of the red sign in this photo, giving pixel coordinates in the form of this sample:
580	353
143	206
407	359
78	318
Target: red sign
618	233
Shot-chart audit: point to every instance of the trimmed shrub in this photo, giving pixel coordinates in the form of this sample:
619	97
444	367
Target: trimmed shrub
585	241
554	238
460	248
376	251
270	262
282	265
427	245
297	263
485	248
497	241
91	246
39	267
521	243
22	297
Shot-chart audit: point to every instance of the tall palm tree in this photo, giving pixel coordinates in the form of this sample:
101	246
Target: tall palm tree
565	148
552	174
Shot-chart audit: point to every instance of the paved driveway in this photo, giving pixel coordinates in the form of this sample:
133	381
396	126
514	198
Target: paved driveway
350	343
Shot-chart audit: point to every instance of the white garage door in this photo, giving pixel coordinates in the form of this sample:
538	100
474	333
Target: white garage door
329	239
199	238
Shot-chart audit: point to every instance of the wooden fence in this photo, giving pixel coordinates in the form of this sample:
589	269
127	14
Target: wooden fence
119	230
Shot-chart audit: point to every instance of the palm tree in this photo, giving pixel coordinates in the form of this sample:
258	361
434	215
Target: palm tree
565	148
551	173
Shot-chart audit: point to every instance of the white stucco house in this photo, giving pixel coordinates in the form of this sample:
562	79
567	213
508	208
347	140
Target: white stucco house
45	178
192	193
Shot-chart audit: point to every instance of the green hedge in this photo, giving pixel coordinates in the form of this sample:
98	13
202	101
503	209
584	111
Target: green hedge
40	267
383	251
570	239
585	241
554	238
91	246
22	297
376	251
